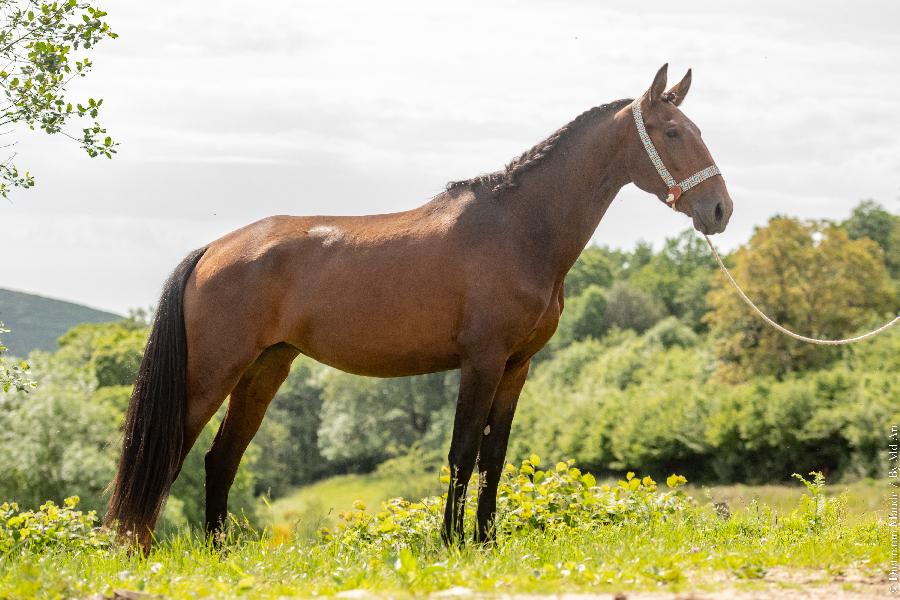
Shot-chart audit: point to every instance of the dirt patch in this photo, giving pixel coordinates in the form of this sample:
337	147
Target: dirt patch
816	592
825	592
778	584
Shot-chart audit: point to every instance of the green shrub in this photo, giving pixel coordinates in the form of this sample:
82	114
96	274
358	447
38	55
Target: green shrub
564	497
528	499
49	527
654	403
832	421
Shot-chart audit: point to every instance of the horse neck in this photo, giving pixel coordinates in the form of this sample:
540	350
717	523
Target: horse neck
560	201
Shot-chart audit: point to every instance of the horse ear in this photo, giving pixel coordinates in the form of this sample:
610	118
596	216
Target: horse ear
659	84
680	89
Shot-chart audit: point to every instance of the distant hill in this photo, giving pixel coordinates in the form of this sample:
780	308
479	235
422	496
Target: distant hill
36	322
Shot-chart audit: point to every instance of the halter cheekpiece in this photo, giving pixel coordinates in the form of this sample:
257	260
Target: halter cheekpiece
676	189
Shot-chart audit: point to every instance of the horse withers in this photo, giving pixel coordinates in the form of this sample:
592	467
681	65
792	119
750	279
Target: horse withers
471	280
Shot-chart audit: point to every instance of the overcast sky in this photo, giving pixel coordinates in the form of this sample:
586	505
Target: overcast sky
228	113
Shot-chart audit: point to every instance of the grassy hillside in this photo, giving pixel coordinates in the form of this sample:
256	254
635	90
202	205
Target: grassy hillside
36	322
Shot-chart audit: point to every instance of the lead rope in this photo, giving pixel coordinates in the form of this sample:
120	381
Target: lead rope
796	336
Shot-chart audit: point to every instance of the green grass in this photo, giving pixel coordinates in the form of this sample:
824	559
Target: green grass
320	503
677	557
561	531
862	497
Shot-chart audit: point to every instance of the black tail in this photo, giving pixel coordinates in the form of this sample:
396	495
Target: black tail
153	434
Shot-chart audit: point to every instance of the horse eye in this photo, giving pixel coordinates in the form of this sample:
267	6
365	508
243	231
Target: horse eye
672	133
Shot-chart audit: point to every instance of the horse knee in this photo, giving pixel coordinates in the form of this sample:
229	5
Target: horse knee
462	460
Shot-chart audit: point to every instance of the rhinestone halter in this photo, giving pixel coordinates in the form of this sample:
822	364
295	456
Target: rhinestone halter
675	189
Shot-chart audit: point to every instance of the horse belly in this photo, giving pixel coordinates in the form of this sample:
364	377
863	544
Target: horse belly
359	344
382	324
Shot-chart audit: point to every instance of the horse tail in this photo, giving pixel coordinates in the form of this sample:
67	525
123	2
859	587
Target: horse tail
153	433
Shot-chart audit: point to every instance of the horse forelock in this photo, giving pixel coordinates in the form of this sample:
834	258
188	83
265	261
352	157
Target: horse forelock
500	181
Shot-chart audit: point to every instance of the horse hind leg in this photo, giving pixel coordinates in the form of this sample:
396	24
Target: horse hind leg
246	409
211	377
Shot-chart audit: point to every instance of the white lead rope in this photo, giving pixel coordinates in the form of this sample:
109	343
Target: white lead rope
796	336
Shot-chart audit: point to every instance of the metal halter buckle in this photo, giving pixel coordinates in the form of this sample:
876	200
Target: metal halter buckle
675	189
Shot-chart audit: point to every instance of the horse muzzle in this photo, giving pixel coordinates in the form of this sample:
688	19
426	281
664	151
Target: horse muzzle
711	214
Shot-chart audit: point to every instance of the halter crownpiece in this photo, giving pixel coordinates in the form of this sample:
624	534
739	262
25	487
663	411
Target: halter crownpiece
676	189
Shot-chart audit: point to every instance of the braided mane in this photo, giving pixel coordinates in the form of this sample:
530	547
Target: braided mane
506	179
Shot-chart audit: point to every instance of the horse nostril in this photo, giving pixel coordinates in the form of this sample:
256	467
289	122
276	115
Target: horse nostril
720	212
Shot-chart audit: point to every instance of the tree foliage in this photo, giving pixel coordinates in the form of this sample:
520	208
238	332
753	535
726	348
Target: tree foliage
43	47
113	351
629	308
289	437
365	420
869	219
811	278
679	277
63	438
13	375
55	441
595	266
584	316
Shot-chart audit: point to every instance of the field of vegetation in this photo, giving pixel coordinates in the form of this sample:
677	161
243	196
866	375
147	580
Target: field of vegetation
656	369
559	530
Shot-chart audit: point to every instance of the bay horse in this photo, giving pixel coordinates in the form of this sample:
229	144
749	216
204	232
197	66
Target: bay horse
471	280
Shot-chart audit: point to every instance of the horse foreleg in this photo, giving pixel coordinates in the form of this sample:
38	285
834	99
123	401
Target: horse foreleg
493	447
477	384
246	409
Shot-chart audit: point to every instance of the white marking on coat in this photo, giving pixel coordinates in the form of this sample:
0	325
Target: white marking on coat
329	235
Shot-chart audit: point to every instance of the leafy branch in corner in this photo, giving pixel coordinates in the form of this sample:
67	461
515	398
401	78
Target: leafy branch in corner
38	45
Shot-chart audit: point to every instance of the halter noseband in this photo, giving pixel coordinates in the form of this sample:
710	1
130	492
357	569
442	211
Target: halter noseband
675	189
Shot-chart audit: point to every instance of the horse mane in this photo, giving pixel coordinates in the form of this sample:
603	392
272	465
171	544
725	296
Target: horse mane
500	181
